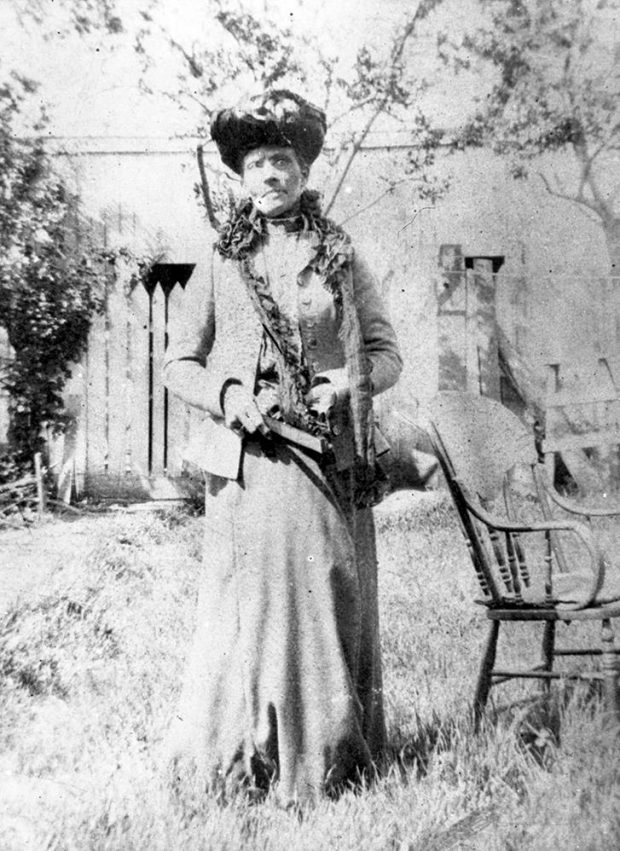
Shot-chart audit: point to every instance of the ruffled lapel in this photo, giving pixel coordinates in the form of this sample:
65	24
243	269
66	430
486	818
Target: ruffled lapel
329	254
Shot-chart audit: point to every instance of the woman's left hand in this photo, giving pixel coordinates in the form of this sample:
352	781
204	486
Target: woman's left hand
321	400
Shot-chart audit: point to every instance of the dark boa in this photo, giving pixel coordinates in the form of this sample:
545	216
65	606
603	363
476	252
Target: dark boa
239	240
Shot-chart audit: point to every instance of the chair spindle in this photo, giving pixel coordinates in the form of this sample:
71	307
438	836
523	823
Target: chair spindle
548	568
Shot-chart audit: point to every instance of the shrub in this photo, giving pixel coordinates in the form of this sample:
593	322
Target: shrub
51	276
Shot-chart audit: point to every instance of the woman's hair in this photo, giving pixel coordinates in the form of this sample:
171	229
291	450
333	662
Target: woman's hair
278	118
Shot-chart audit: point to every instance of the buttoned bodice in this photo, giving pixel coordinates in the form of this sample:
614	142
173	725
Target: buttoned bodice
218	336
302	296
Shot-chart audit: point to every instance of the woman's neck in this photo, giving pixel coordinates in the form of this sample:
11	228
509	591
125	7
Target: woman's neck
287	222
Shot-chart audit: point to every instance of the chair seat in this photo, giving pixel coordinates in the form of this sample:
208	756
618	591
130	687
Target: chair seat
569	589
540	613
572	587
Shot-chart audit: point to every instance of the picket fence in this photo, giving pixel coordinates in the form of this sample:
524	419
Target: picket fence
127	431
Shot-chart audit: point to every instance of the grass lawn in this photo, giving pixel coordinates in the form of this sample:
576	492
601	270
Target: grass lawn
90	670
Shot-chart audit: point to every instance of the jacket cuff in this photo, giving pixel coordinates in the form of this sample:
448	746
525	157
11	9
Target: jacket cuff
230	382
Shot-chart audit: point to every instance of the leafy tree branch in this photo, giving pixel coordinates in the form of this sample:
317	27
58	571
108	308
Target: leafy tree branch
556	88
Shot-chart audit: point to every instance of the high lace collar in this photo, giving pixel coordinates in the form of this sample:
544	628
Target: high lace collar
247	229
290	222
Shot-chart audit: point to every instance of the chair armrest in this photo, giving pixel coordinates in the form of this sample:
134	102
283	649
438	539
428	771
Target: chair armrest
504	525
579	510
582	531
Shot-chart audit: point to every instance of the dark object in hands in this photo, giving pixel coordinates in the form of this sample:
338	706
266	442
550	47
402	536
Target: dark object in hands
287	432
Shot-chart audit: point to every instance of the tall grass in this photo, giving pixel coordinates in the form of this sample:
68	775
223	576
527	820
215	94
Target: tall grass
89	675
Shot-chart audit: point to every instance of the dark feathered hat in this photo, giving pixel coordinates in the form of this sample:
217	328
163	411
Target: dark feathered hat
278	117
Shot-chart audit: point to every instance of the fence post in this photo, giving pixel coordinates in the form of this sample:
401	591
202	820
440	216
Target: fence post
41	496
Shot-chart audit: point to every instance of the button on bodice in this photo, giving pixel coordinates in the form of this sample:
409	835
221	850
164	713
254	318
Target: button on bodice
285	258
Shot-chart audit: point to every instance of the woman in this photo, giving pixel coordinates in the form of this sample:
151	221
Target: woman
283	684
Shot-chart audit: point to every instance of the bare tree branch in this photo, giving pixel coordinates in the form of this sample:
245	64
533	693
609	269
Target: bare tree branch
599	205
206	191
389	191
574	199
353	153
424	8
352	108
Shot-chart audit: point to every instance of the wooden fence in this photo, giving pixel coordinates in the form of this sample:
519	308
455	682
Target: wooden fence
466	313
127	430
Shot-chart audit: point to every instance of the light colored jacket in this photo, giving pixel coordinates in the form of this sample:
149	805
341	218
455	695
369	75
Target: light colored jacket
218	336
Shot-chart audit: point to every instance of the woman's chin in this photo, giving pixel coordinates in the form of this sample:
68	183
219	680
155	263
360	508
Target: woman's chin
273	209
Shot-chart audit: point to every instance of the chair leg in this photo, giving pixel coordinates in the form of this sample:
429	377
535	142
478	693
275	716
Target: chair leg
611	672
548	646
483	686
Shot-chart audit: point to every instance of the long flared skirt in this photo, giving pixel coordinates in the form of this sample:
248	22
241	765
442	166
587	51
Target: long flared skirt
283	681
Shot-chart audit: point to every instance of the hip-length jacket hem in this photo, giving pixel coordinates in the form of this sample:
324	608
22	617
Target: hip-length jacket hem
219	330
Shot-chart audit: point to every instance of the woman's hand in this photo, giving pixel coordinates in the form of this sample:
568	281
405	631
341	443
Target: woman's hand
321	399
241	412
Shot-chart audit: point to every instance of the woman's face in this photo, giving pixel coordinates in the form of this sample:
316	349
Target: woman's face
273	179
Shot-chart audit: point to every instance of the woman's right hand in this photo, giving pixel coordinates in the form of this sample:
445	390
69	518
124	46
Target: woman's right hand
241	412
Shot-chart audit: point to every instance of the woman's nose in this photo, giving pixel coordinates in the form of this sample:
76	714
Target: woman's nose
270	174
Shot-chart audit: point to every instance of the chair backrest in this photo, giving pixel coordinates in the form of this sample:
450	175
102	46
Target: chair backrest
478	442
483	439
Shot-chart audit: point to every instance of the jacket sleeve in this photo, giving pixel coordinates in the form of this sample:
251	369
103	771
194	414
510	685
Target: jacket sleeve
191	336
379	337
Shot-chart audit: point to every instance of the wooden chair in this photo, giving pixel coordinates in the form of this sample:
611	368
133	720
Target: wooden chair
540	569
